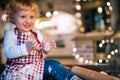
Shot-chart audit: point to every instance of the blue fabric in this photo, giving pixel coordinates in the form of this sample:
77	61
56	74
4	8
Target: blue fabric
57	70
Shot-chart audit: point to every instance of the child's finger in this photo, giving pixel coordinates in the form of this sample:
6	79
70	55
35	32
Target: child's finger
44	39
31	37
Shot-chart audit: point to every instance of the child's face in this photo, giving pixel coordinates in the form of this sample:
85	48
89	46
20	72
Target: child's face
24	20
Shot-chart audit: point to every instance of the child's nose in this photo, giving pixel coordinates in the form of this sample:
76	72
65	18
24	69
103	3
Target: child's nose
28	20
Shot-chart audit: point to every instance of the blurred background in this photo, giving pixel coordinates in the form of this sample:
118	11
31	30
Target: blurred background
86	32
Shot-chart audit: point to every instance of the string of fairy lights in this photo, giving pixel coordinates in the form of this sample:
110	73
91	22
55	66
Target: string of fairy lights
106	22
111	48
78	14
108	10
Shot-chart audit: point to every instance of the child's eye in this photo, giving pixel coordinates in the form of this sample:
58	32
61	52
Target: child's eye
22	16
31	16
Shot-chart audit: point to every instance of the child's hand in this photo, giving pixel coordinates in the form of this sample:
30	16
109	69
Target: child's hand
32	44
48	46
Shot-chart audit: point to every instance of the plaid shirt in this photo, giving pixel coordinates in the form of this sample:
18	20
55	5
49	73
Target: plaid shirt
29	67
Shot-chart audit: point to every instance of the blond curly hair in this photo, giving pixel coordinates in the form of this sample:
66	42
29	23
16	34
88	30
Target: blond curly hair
17	5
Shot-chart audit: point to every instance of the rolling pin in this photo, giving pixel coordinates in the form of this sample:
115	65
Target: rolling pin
91	74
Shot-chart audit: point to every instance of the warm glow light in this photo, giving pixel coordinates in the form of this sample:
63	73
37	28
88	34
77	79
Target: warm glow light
116	50
103	41
74	49
55	13
112	52
107	12
81	59
107	61
90	61
108	56
110	8
78	14
86	61
112	40
77	56
78	0
82	29
108	20
100	45
78	7
108	3
100	10
100	60
48	14
107	41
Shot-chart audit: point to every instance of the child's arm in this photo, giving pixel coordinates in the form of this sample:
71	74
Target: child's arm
10	47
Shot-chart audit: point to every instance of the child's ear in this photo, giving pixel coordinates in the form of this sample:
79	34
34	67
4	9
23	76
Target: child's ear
14	18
